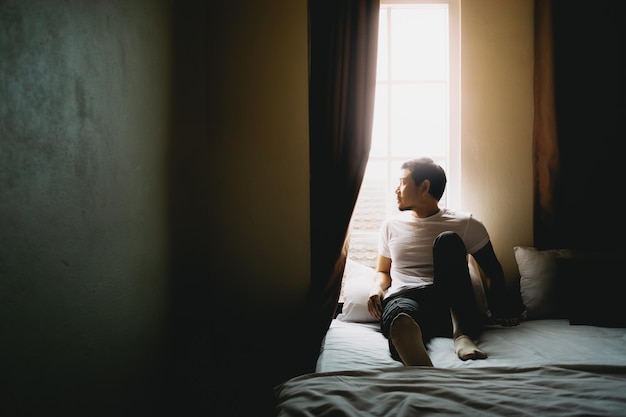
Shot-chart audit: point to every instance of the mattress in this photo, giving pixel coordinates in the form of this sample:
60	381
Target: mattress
361	346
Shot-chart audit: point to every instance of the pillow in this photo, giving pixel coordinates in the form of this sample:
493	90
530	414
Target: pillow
358	280
593	294
538	281
357	283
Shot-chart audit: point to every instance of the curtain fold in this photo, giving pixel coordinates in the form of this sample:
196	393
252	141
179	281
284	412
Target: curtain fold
545	140
580	86
343	39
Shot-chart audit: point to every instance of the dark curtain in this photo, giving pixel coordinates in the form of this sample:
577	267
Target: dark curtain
343	39
545	144
579	122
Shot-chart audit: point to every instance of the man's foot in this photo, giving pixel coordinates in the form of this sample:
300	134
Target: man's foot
406	336
465	349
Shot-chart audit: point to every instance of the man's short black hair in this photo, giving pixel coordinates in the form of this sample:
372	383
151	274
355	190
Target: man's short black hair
426	169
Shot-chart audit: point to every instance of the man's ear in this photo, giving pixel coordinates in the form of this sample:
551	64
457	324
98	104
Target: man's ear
424	186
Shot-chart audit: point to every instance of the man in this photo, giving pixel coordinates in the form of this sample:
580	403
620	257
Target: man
423	287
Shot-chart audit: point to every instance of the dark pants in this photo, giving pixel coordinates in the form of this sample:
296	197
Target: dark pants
430	306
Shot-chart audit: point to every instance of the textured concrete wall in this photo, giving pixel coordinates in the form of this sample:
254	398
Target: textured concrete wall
84	107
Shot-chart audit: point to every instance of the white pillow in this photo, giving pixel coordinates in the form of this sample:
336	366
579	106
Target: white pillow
358	280
538	281
357	283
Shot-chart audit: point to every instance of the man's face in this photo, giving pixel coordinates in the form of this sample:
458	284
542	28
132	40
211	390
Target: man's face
406	193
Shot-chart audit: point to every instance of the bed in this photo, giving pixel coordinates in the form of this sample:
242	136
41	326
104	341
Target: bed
562	360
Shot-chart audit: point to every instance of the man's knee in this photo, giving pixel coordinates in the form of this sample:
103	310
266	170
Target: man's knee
449	246
449	241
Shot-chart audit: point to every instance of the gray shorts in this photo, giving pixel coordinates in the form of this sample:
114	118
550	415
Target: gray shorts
424	306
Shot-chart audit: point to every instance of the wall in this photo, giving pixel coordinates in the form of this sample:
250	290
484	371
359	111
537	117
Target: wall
258	171
497	121
84	127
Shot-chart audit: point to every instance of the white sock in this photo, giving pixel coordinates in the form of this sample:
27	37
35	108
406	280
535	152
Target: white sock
465	349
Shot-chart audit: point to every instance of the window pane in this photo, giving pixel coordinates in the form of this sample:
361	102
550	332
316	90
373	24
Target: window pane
420	119
377	192
371	209
419	39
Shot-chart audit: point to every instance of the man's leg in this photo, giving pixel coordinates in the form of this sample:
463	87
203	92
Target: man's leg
406	341
453	283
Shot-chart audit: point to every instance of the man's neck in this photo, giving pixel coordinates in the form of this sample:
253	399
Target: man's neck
426	212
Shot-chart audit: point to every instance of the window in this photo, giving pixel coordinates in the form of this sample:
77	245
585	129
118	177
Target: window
416	110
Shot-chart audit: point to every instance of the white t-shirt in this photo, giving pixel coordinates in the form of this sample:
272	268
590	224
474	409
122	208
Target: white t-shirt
408	241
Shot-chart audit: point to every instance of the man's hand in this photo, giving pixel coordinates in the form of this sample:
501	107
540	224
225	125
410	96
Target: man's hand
374	305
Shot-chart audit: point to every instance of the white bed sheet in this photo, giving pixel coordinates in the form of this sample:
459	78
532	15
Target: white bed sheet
361	346
539	368
546	391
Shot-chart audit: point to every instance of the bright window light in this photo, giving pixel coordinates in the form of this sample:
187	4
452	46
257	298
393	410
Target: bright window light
416	110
